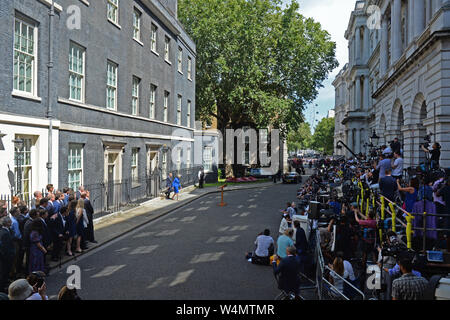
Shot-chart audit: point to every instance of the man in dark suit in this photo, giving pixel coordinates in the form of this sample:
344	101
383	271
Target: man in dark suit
168	185
288	271
7	252
90	214
56	230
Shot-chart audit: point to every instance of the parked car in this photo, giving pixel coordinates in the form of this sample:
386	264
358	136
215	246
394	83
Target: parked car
292	177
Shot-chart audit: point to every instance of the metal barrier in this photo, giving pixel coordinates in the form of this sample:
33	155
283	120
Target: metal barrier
324	289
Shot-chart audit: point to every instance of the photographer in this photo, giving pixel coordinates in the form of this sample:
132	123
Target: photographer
396	146
435	153
369	226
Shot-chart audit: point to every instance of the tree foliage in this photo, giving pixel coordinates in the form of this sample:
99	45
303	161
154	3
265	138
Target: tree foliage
258	64
301	138
323	138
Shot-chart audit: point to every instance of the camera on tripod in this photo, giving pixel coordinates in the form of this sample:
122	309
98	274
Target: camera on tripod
393	250
427	140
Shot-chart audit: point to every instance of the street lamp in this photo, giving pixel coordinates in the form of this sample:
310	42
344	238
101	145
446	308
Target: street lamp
374	137
18	145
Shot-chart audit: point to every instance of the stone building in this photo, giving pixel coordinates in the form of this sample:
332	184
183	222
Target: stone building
122	91
397	77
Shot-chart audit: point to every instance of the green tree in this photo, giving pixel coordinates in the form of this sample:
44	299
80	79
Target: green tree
323	138
258	64
300	139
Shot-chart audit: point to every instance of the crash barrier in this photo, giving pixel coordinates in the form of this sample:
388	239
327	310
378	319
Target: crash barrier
383	206
324	289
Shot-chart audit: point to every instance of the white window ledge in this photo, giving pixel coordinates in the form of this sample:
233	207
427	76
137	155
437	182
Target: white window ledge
138	41
24	95
180	72
154	52
115	24
168	62
85	2
49	3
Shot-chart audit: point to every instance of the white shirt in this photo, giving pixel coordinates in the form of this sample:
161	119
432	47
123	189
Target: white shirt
262	245
398	164
283	226
348	269
35	296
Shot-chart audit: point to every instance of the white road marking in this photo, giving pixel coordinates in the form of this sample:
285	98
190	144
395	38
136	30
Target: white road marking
244	214
238	228
223	229
144	234
227	239
181	277
107	271
207	257
144	249
188	219
203	209
167	232
157	282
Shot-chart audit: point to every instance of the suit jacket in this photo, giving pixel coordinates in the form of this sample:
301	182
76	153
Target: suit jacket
89	208
46	235
168	183
301	243
288	269
7	248
56	226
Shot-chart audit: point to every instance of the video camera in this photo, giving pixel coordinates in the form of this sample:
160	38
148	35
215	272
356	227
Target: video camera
427	140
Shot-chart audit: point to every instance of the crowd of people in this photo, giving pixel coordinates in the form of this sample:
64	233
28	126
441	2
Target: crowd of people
350	238
59	222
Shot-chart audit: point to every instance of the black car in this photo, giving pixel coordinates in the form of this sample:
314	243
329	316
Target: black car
292	177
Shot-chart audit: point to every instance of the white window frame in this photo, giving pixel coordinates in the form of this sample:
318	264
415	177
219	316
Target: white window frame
136	82
207	159
26	165
164	164
111	86
178	158
189	71
76	73
134	166
180	60
153	89
188	158
179	108
188	114
137	25
70	155
33	55
166	106
167	49
154	38
113	7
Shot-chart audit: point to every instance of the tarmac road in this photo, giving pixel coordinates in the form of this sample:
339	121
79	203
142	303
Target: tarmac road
193	253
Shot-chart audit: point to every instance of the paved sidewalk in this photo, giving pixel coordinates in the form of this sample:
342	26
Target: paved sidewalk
110	227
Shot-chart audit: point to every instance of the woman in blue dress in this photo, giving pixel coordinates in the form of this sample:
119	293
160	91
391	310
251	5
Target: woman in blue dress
176	187
411	194
37	250
71	226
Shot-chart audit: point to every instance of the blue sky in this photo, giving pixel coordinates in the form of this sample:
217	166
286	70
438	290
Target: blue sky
333	15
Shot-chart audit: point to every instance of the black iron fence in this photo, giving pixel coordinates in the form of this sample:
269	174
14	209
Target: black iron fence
113	196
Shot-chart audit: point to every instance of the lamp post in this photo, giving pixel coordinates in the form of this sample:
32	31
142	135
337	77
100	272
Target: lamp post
18	145
374	137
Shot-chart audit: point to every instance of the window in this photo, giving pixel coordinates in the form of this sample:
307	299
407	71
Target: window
189	75
179	110
178	159
188	114
25	46
112	10
166	106
247	151
153	37
76	72
167	49
111	87
134	165
136	25
180	60
135	96
22	160
188	158
164	164
152	101
207	159
75	166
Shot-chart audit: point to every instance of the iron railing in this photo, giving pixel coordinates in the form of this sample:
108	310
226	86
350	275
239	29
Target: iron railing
112	196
